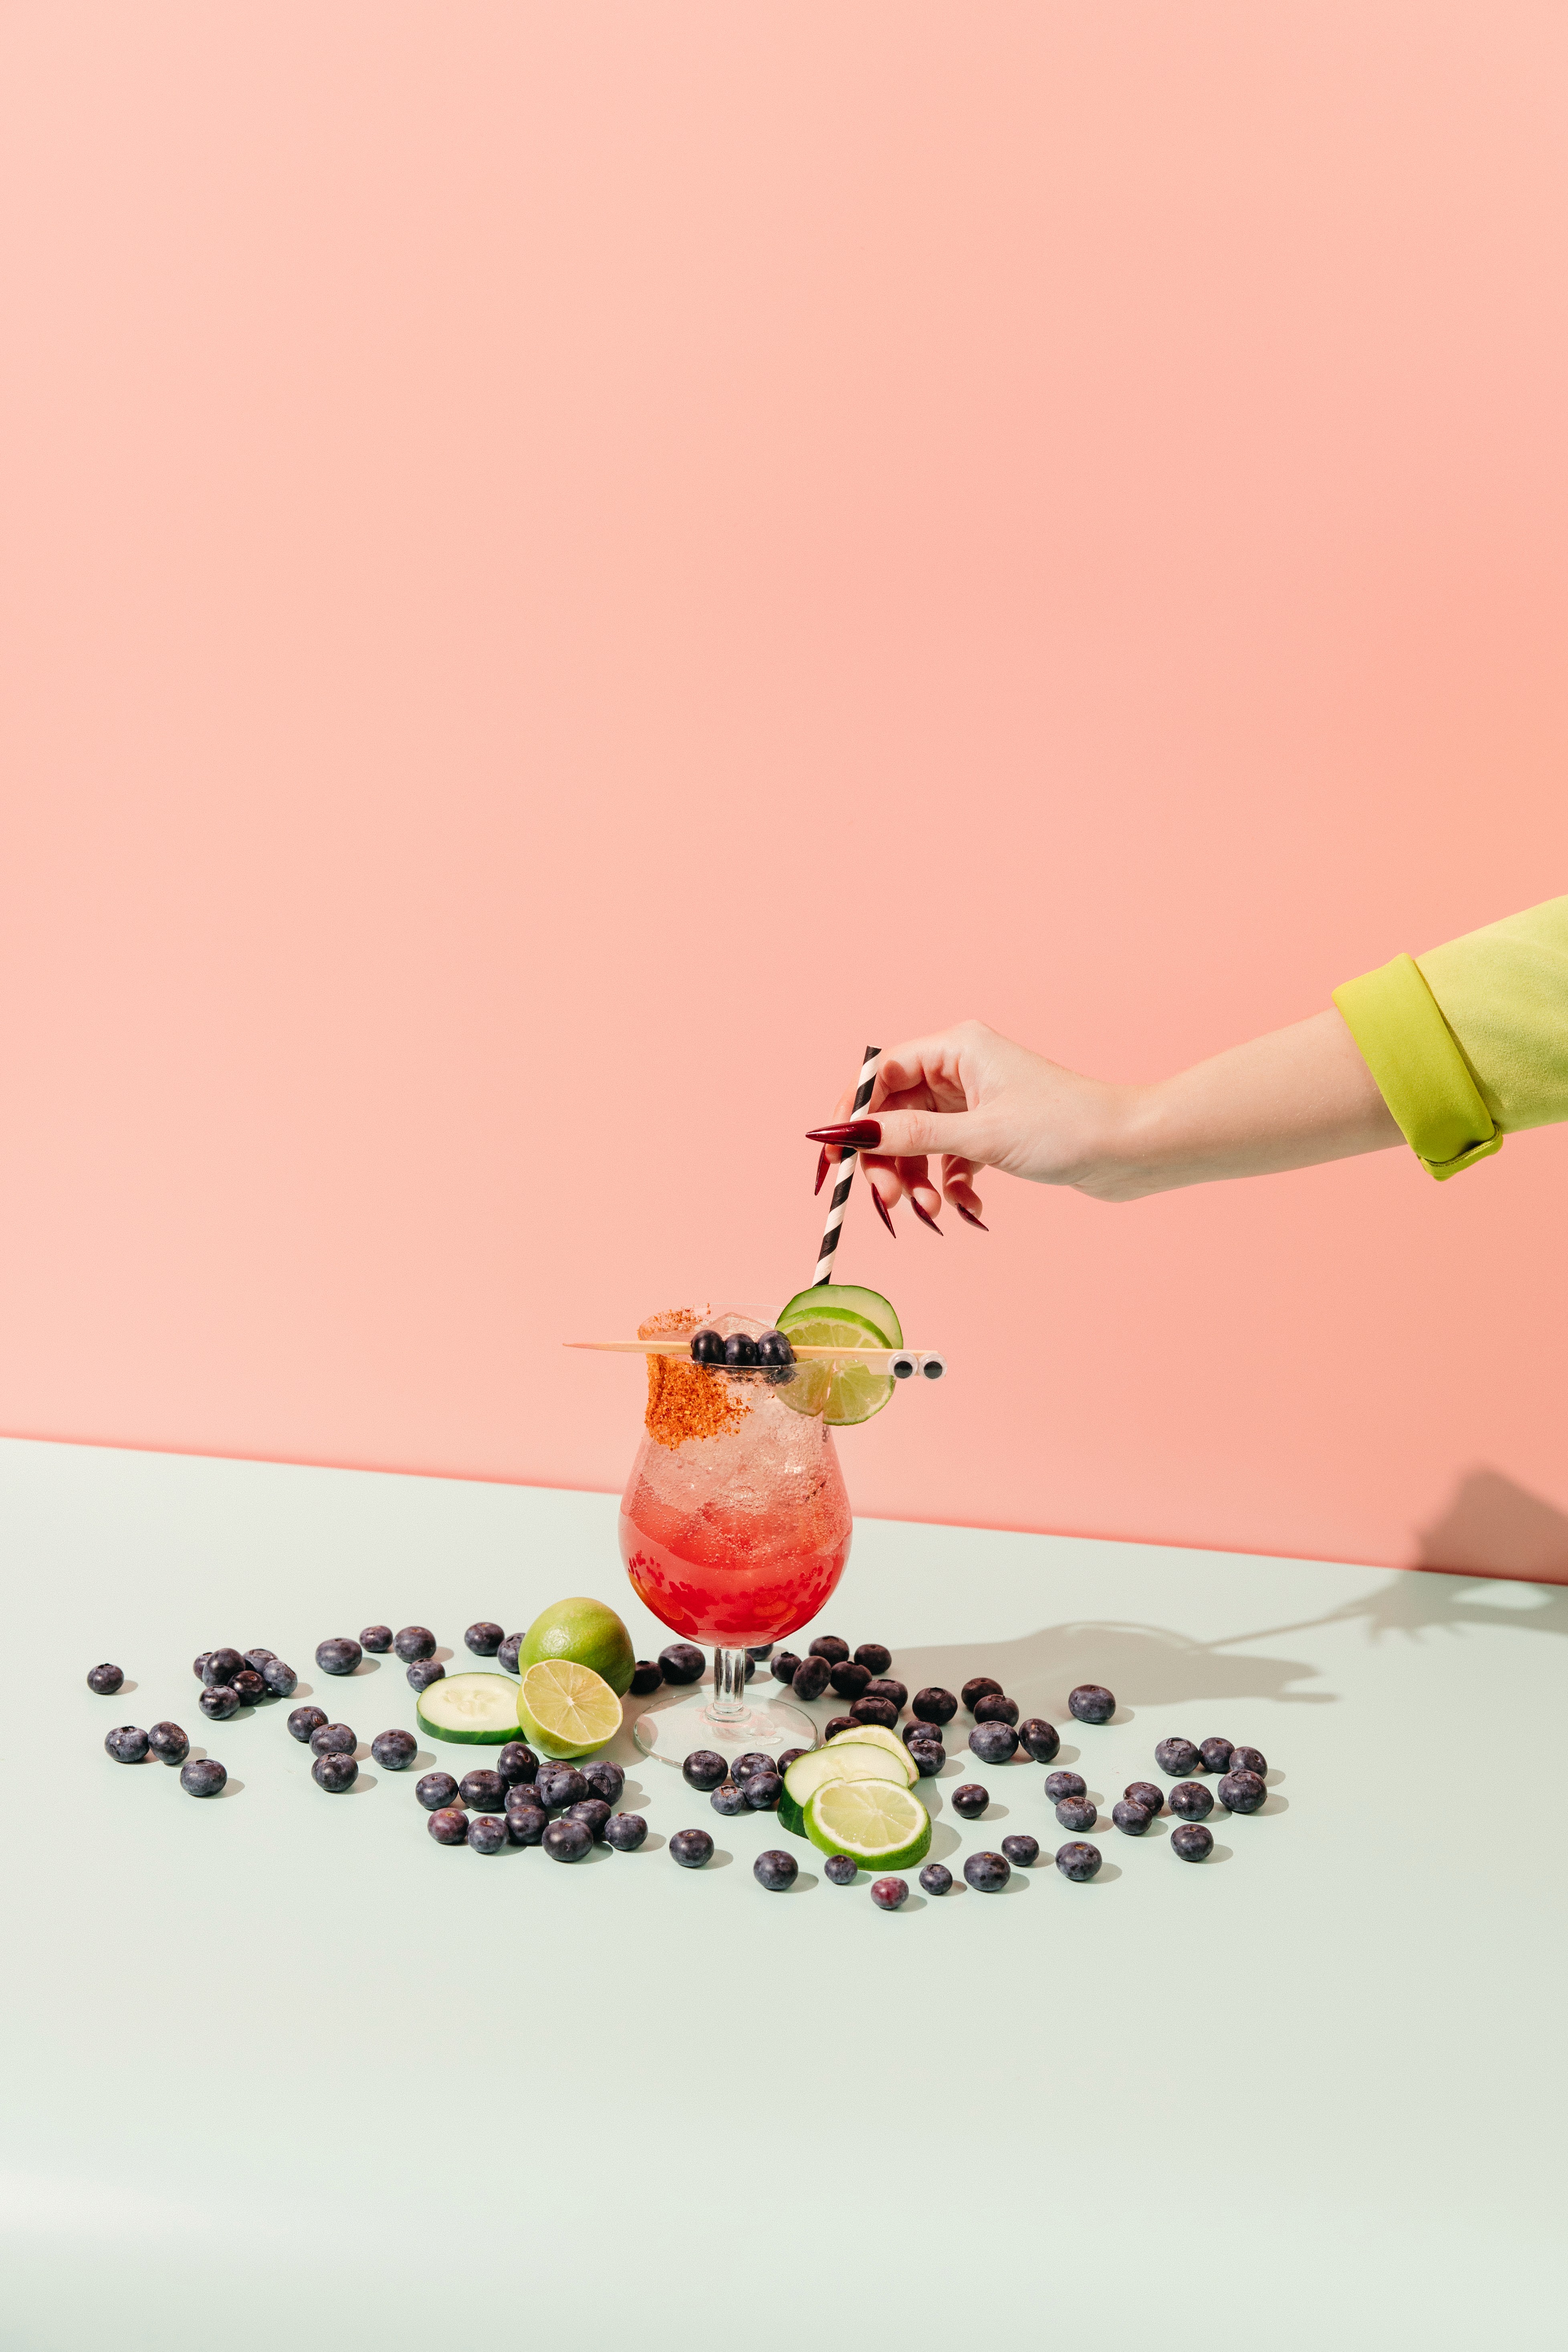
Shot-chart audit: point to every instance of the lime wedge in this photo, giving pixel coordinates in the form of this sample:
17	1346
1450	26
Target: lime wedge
566	1709
876	1734
834	1316
877	1823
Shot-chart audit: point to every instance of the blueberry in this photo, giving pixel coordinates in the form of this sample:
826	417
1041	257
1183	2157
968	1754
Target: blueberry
772	1348
828	1647
1179	1758
1192	1841
424	1671
762	1792
785	1666
876	1710
127	1743
690	1848
704	1769
449	1825
1092	1703
934	1704
834	1725
415	1641
168	1743
811	1677
918	1730
339	1655
222	1665
1023	1851
248	1688
1062	1784
992	1707
1192	1800
1242	1792
281	1680
873	1657
333	1739
971	1800
887	1893
304	1720
993	1743
377	1638
199	1665
258	1658
753	1761
987	1873
727	1799
1078	1862
506	1657
526	1824
787	1759
706	1347
936	1878
1248	1759
976	1687
558	1785
334	1773
1077	1813
204	1776
682	1662
486	1834
482	1790
592	1812
1042	1739
435	1790
739	1348
605	1780
517	1762
625	1832
775	1870
840	1870
647	1676
892	1689
758	1654
1130	1818
1145	1793
105	1680
928	1757
218	1702
483	1638
848	1679
1216	1754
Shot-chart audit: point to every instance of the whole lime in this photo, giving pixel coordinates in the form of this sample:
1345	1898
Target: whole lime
589	1634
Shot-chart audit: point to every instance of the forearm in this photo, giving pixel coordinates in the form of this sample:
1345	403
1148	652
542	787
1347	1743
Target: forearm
1287	1100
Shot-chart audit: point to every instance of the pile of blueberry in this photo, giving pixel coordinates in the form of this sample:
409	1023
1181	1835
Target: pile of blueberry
770	1348
230	1679
511	1803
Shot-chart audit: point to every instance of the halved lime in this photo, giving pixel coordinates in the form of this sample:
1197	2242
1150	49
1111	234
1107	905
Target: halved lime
565	1709
878	1823
839	1315
587	1632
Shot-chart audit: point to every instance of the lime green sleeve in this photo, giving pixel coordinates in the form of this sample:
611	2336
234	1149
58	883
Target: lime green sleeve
1469	1041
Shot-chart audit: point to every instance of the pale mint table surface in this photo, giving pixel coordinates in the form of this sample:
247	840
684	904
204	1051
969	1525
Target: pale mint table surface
279	2071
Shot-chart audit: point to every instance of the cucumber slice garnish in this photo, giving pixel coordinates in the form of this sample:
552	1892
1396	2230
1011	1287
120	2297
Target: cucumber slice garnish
474	1710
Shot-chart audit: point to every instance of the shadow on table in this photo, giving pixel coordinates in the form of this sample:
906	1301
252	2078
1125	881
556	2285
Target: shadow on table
1145	1665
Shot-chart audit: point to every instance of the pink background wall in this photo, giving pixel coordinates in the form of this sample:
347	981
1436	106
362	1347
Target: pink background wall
576	562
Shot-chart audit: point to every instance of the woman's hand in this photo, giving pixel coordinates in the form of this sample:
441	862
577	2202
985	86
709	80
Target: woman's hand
969	1099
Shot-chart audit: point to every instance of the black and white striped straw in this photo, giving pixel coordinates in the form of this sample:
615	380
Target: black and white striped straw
836	1207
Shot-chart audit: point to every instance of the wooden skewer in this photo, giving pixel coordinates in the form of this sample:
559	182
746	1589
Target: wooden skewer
878	1358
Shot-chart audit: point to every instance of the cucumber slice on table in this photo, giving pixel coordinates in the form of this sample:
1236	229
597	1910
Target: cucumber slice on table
819	1765
478	1710
877	1735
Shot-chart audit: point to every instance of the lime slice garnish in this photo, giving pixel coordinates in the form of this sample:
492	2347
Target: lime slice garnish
566	1709
881	1825
846	1393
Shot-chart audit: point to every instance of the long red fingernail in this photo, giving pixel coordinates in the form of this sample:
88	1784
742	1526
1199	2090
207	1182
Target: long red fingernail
969	1218
822	1165
858	1134
882	1212
924	1215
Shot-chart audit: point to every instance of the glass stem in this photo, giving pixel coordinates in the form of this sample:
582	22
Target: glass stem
729	1685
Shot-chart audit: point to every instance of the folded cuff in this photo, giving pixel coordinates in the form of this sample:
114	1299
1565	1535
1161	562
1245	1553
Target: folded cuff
1421	1073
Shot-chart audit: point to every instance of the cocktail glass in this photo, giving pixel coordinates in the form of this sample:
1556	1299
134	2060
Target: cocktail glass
734	1528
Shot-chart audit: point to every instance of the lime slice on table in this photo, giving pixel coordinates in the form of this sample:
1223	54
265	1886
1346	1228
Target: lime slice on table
839	1315
877	1823
565	1709
587	1632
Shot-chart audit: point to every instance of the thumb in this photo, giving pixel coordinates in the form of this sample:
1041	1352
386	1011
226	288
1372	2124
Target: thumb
915	1134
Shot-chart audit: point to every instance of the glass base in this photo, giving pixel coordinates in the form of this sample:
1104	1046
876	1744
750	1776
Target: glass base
669	1734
